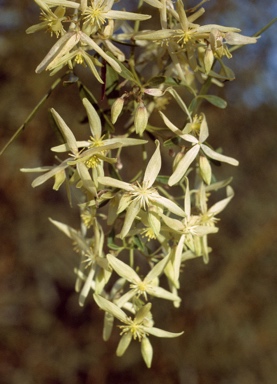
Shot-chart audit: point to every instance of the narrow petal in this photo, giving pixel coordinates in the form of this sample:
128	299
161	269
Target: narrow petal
86	178
174	224
170	125
153	167
66	132
142	313
54	51
202	230
87	287
131	214
187	202
161	333
182	15
155	35
125	141
86	39
94	120
110	182
147	351
156	270
178	258
233	38
220	205
121	15
154	3
63	3
169	204
41	179
183	165
66	229
123	269
110	307
162	293
108	326
204	131
124	343
65	148
217	156
126	297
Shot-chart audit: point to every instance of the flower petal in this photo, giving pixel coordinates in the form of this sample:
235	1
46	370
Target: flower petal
110	182
156	270
91	43
110	307
162	293
161	333
121	15
217	156
123	269
124	343
146	351
170	205
66	132
183	165
153	167
94	120
220	205
131	214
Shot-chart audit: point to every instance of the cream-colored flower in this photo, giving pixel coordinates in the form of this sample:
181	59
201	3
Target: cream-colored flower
99	11
60	52
137	328
51	21
147	286
198	146
142	195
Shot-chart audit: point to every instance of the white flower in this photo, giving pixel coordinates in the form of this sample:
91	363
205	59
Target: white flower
142	195
137	328
191	154
138	286
99	11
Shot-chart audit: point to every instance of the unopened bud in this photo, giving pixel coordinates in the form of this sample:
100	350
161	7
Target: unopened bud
153	91
141	118
116	109
208	59
205	169
234	38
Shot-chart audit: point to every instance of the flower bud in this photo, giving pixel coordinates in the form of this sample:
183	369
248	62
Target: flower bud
208	59
116	109
141	118
205	169
153	91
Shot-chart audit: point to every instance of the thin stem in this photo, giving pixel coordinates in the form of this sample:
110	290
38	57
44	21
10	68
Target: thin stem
33	113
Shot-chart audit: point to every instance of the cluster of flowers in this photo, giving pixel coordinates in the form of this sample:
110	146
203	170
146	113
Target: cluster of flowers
141	221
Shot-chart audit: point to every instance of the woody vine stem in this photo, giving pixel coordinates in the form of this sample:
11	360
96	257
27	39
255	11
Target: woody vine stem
134	229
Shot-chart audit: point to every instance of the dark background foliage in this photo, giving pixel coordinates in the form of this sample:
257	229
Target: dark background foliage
229	307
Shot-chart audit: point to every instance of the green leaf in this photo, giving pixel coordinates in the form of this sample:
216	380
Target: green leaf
125	73
111	80
214	100
158	80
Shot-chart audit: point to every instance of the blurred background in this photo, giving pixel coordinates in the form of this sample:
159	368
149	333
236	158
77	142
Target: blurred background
229	307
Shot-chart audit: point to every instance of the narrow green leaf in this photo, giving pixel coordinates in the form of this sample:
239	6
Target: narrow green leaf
214	100
125	73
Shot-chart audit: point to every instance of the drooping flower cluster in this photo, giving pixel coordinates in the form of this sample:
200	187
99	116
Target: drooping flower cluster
156	219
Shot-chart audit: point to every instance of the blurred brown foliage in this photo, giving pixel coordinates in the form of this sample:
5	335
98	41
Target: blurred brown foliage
229	307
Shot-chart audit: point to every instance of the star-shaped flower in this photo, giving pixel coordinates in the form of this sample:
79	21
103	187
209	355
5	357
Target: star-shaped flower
198	146
142	195
99	11
139	287
137	328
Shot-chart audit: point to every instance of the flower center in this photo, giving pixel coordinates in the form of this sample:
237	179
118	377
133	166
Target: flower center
94	15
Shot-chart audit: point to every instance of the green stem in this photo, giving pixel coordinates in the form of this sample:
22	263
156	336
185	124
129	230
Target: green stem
33	113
